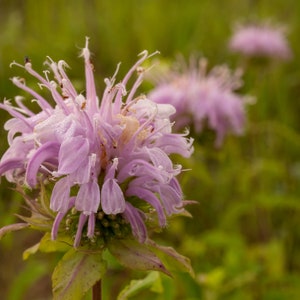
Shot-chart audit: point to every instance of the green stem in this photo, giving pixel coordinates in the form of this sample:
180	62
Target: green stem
97	291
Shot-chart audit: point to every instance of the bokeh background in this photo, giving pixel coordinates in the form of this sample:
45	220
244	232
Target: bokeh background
244	237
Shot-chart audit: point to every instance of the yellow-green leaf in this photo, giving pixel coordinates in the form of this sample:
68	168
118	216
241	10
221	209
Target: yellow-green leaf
58	245
135	255
152	281
171	258
32	250
76	273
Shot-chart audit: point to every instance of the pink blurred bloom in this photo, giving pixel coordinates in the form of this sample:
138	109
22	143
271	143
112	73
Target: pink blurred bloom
203	99
260	41
99	154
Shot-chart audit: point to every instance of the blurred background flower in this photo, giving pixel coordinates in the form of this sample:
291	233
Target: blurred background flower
261	40
203	98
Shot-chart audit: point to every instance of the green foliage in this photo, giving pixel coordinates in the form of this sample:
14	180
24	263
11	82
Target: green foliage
23	281
149	256
76	273
136	256
151	282
172	259
47	245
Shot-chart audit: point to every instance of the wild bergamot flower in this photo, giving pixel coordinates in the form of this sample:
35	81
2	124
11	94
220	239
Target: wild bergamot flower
260	40
108	161
202	99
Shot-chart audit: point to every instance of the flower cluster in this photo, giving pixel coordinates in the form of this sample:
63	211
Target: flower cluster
104	158
260	41
203	98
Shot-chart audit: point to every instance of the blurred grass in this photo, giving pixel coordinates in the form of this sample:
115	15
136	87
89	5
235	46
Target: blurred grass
244	239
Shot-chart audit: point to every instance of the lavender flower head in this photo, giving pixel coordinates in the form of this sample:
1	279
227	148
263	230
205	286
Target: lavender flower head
102	158
260	41
203	98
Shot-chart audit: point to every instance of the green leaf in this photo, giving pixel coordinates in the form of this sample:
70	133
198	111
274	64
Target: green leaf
13	227
76	273
32	250
59	245
37	221
135	255
152	281
47	245
171	258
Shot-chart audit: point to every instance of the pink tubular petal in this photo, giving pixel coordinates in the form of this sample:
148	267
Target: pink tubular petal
110	174
81	223
134	217
60	195
176	143
139	168
171	199
82	174
40	100
15	126
56	224
112	200
72	153
90	83
174	184
149	197
65	80
13	112
10	164
91	226
159	158
59	218
46	151
88	197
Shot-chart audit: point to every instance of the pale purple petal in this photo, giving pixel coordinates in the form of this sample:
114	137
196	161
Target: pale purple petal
46	129
92	101
134	217
13	112
14	126
72	153
46	151
159	158
148	196
172	201
175	143
82	174
60	195
91	225
176	186
82	220
14	163
59	217
139	168
56	223
112	201
88	197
